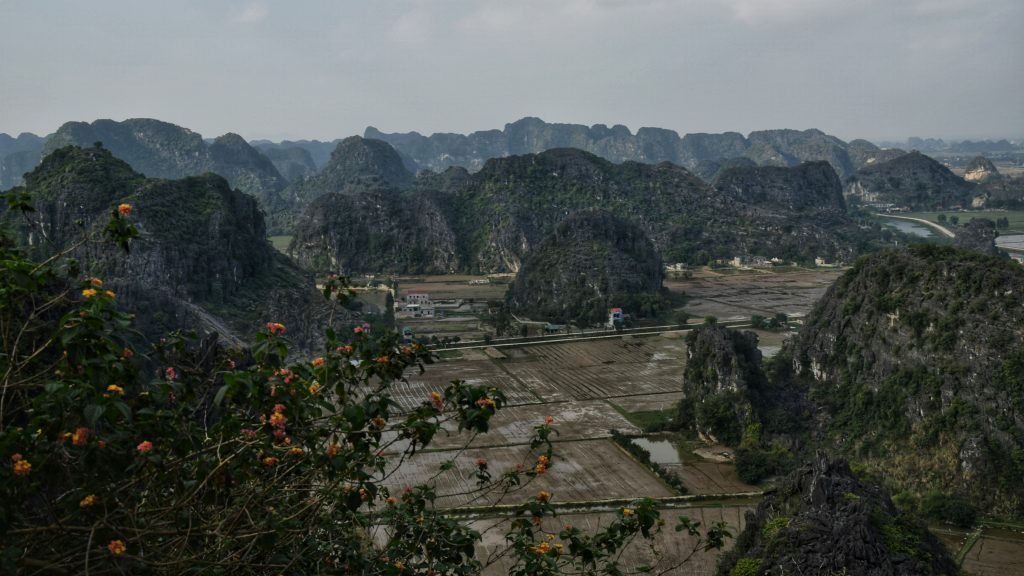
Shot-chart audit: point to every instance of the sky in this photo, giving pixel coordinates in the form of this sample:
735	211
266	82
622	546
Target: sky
324	69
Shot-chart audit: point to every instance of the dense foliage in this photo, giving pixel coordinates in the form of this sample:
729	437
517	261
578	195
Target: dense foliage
226	461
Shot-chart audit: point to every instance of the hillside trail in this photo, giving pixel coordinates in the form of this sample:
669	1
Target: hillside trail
214	324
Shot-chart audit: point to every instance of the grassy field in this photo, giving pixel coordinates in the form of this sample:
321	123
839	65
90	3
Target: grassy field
280	242
1016	218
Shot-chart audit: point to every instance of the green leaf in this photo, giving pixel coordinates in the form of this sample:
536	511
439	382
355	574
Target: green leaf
219	397
93	413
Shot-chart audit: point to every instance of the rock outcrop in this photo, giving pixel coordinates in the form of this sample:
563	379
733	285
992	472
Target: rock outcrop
202	258
912	180
162	150
915	359
980	169
497	215
18	156
823	520
591	262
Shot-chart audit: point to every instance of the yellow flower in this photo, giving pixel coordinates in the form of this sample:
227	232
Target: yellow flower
544	496
115	389
88	501
314	387
542	548
628	512
124	209
22	468
117	547
109	294
296	451
399	566
89	292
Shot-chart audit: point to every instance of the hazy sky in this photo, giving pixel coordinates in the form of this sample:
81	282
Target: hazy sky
880	69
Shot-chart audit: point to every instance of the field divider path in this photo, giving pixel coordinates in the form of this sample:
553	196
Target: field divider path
610	504
653	330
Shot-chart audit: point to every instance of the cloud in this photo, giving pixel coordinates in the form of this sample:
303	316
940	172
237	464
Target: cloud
253	14
772	11
412	27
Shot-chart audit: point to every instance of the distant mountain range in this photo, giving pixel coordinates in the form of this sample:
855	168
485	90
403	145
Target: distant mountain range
479	202
698	153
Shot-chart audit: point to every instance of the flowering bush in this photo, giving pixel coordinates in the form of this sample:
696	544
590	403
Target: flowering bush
230	461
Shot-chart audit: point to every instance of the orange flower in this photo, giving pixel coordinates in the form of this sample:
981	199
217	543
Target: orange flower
382	360
279	407
275	328
88	501
378	422
485	402
544	496
344	349
399	566
22	467
549	420
314	387
89	292
144	446
277	419
126	353
363	494
437	400
296	451
96	282
332	450
80	437
542	548
317	362
109	294
115	389
117	547
391	500
124	209
270	461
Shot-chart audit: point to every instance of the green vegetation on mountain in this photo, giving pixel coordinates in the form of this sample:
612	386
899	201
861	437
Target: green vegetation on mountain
162	150
202	257
823	520
912	180
915	359
496	216
591	262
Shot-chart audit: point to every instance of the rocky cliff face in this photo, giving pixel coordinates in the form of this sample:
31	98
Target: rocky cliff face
380	229
980	169
18	156
496	216
913	180
618	144
293	163
591	262
163	150
1000	192
916	360
811	187
202	258
823	520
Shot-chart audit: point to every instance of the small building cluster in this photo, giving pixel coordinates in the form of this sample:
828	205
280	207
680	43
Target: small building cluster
416	305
